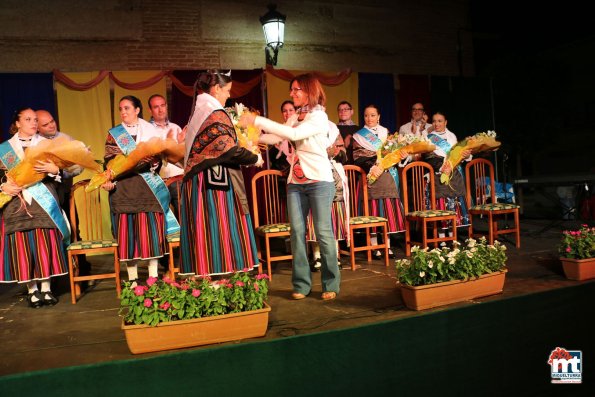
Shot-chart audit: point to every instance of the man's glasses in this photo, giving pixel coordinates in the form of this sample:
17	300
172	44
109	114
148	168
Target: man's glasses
417	109
344	109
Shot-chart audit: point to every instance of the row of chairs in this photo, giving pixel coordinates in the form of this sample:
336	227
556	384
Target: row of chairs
271	220
417	182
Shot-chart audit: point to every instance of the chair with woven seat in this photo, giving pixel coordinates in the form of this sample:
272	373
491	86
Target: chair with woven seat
173	240
481	201
269	211
419	201
360	218
86	222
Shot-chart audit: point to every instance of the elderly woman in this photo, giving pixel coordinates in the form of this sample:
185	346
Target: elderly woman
217	235
310	183
139	200
34	229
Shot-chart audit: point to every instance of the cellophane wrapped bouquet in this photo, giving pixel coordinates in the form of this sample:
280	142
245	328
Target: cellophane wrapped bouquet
480	142
247	137
169	148
64	152
390	153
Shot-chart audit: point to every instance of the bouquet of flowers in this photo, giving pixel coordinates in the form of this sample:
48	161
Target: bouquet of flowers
480	142
120	164
247	137
62	151
168	300
390	153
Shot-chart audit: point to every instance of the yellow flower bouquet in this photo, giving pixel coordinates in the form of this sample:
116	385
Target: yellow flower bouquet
247	137
169	148
62	151
480	142
390	153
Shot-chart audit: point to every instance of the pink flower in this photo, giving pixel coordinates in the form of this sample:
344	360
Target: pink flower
228	285
184	286
245	269
568	249
151	281
195	293
167	280
139	290
174	284
148	302
165	305
239	283
261	276
256	287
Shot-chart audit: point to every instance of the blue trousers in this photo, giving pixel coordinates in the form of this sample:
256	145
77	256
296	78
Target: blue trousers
318	197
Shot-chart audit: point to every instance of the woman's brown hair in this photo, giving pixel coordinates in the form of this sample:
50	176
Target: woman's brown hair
312	88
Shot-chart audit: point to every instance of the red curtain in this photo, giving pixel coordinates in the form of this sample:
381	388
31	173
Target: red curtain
412	89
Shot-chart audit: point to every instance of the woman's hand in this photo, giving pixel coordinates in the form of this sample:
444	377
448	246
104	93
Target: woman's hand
260	161
403	154
446	168
466	153
375	171
11	188
47	167
246	119
109	186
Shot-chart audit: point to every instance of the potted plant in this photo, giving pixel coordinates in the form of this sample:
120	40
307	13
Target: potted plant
446	275
577	253
166	314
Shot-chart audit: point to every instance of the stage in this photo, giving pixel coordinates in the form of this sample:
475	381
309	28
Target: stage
365	341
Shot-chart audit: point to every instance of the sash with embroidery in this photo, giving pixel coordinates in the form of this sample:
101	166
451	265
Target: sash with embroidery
444	145
374	141
126	144
39	192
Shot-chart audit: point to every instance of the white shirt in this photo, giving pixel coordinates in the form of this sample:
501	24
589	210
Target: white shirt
169	170
419	128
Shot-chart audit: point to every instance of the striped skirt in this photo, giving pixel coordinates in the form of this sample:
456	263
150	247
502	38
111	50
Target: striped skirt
35	254
392	210
456	204
338	220
216	237
140	235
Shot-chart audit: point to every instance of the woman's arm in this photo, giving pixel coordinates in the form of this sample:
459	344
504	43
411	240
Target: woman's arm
315	123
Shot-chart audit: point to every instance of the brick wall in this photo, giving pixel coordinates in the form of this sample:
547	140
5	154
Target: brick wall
421	37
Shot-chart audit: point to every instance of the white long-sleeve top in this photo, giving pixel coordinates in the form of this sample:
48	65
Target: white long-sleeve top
311	141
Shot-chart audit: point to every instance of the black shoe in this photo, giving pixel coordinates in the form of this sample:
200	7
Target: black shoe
37	304
49	298
315	265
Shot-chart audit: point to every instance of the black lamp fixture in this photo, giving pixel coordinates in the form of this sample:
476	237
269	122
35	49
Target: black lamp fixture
273	25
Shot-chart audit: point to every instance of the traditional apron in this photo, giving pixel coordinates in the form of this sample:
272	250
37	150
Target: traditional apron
375	142
39	192
444	145
126	144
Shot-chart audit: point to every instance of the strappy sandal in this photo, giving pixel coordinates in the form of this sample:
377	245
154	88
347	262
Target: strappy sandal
329	295
297	296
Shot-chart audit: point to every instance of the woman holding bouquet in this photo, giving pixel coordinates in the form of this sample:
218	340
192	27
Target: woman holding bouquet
216	234
384	192
310	183
33	227
449	196
139	199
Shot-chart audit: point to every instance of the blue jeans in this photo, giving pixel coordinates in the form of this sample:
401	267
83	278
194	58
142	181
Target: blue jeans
318	197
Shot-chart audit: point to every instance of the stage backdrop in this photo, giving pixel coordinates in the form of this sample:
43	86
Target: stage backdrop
135	77
378	89
18	90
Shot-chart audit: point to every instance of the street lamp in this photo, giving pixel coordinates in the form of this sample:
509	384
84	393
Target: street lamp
273	25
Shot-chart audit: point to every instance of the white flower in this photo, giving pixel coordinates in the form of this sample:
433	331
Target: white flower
422	274
471	242
451	261
415	248
430	264
469	254
443	244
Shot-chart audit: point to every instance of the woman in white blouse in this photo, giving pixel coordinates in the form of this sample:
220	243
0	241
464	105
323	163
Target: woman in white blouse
310	183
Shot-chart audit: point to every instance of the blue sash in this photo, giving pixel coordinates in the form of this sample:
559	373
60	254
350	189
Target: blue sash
373	140
126	144
444	145
39	192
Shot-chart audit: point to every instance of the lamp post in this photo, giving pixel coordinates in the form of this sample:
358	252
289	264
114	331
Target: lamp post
273	25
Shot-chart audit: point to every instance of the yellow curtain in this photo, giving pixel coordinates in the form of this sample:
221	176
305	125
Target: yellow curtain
278	91
87	116
137	76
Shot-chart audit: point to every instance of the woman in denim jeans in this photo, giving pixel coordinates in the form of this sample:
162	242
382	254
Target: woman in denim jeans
310	183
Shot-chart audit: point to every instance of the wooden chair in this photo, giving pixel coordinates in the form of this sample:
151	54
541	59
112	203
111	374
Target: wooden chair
416	178
86	220
359	216
269	210
173	240
482	201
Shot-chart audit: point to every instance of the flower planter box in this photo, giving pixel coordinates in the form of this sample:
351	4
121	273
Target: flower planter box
197	332
440	294
579	269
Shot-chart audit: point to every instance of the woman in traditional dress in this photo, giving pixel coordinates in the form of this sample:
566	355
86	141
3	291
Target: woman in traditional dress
217	235
383	194
139	200
310	183
449	196
34	229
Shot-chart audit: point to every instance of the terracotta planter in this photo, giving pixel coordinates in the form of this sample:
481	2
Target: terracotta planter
196	332
440	294
579	269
